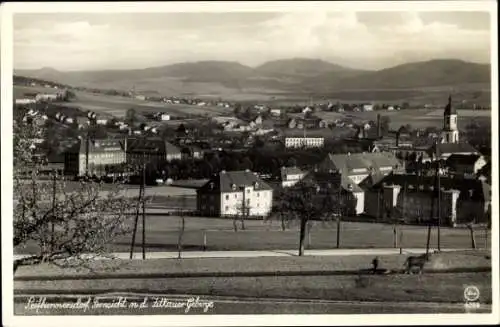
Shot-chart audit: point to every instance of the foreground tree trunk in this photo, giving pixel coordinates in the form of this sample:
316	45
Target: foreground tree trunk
302	237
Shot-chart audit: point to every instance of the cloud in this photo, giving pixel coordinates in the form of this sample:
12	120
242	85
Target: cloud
363	39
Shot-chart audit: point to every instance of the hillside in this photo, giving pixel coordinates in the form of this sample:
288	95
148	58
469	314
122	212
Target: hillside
301	67
298	76
412	75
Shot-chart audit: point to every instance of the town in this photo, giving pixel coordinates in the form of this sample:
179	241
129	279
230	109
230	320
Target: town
254	149
305	161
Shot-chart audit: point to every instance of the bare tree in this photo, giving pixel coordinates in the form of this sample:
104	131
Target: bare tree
67	227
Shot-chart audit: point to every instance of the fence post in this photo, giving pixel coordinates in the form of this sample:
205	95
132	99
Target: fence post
204	240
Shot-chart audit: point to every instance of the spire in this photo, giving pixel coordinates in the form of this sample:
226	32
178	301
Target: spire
449	109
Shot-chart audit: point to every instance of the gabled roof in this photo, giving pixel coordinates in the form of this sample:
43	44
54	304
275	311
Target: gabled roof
367	160
151	145
335	179
462	159
225	180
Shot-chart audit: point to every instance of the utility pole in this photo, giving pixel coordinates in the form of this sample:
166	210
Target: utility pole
339	214
439	204
53	211
143	186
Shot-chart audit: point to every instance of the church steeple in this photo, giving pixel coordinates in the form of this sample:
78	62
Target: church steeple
450	124
449	109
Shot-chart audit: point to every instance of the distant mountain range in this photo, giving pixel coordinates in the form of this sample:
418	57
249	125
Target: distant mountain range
288	75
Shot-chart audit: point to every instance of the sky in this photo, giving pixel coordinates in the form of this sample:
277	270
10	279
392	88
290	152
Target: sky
363	40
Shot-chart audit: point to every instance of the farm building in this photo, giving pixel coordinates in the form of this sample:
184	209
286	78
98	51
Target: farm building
291	176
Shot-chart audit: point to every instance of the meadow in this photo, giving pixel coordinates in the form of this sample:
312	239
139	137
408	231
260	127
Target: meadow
118	105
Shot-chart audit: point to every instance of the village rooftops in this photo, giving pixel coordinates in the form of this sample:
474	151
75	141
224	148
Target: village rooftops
231	181
151	145
334	179
366	161
97	146
308	133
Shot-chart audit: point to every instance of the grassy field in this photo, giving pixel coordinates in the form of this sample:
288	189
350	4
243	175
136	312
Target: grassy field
282	264
162	235
417	118
117	105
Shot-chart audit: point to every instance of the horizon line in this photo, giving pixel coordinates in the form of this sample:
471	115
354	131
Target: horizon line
249	66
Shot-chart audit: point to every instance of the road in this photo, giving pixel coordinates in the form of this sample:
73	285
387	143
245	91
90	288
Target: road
257	254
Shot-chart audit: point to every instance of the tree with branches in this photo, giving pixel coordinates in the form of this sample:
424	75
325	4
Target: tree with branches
308	201
67	227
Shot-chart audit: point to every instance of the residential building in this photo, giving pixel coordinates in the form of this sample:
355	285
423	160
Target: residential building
164	117
367	107
154	151
275	112
296	139
235	193
25	101
465	166
291	176
103	156
47	97
412	197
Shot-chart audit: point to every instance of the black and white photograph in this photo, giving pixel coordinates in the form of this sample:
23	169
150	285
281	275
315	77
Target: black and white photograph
236	163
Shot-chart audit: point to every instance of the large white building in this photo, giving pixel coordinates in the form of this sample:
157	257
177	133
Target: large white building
304	139
233	193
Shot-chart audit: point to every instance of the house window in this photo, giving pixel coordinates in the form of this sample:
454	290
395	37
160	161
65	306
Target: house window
258	195
227	196
235	196
226	208
248	191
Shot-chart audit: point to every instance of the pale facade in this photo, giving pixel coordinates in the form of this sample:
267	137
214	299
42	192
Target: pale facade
308	142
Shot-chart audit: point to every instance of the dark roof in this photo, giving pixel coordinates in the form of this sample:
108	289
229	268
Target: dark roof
335	179
375	160
449	109
151	145
462	159
462	148
321	132
224	181
97	146
480	189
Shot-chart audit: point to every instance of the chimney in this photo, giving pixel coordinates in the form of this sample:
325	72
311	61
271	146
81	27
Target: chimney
379	132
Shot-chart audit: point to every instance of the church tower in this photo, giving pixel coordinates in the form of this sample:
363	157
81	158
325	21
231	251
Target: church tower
449	134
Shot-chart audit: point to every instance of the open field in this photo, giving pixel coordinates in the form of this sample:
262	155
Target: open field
162	234
117	105
218	266
417	118
267	279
